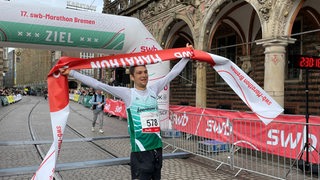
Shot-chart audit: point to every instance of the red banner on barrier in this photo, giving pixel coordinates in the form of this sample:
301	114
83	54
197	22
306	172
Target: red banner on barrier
115	107
285	136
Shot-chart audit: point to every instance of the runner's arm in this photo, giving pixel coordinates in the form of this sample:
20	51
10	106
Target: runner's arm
120	92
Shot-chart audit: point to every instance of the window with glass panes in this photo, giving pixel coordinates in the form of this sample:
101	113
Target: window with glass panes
226	48
86	55
187	74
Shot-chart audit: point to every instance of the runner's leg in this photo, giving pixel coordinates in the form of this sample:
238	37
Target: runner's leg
95	116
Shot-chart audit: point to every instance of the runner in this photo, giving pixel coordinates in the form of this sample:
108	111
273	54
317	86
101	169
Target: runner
143	118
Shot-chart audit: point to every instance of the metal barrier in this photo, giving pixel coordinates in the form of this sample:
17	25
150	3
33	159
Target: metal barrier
276	150
279	150
204	144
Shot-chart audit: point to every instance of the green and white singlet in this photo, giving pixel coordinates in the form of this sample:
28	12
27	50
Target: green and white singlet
143	121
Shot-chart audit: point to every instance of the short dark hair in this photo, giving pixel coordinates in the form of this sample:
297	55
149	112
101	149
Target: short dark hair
132	68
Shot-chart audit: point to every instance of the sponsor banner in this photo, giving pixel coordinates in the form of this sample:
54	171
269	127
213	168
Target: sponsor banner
71	96
115	107
76	97
123	60
4	100
249	91
285	136
17	97
86	101
10	99
57	36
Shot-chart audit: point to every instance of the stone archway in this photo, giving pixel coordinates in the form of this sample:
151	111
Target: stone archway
177	34
229	29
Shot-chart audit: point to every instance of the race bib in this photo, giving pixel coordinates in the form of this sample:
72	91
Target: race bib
150	122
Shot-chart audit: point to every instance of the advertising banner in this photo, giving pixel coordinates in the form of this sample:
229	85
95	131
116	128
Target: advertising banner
115	107
284	136
4	100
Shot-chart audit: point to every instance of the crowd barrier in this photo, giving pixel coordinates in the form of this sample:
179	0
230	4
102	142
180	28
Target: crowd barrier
7	100
240	140
112	107
81	99
244	143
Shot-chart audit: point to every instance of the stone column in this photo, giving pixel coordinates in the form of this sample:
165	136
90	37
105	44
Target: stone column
246	63
201	85
275	64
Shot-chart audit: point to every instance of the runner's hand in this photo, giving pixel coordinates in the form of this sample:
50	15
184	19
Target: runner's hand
64	71
189	45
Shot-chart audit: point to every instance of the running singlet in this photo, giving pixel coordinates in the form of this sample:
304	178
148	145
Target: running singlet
143	121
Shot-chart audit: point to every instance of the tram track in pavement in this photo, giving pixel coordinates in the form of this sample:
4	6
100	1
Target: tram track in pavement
8	114
8	109
34	138
41	153
5	114
41	145
92	141
80	137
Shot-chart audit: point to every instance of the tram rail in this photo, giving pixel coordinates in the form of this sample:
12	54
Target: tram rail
112	156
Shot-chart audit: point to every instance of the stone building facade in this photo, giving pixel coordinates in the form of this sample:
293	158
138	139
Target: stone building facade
32	67
258	35
9	76
3	64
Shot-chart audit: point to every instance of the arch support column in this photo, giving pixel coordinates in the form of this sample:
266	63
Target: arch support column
275	64
201	85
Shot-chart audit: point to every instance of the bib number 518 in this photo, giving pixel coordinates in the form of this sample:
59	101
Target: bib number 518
152	122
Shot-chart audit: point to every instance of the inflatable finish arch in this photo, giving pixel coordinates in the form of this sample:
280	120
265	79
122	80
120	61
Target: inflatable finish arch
43	27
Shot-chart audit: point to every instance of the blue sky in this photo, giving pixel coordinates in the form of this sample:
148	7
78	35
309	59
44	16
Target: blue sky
63	3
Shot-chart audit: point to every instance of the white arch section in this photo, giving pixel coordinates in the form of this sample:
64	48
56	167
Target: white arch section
26	26
23	25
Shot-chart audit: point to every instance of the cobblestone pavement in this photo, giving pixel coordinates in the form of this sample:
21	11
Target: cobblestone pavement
18	153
